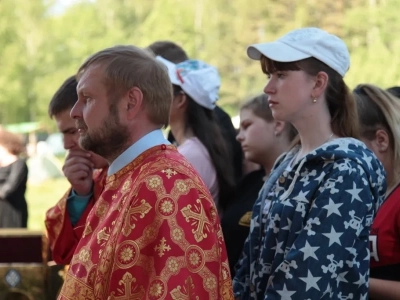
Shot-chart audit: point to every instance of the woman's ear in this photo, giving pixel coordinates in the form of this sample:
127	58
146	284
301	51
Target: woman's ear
321	82
180	100
381	142
279	127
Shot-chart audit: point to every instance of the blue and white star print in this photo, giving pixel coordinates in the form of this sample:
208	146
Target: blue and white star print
313	241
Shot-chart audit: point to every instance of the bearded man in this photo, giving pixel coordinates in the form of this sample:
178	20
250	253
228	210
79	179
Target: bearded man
154	232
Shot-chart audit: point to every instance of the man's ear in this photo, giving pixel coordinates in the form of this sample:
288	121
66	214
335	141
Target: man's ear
133	102
381	141
321	82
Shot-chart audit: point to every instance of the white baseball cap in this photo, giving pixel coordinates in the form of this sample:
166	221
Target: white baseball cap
305	43
197	79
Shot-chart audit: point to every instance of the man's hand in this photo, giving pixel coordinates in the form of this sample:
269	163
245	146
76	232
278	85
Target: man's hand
78	169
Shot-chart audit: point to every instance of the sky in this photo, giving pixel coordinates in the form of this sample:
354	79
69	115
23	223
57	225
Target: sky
61	5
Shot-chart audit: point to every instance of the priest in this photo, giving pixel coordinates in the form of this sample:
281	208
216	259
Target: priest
154	232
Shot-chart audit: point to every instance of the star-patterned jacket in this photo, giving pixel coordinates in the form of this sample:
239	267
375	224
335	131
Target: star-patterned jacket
312	243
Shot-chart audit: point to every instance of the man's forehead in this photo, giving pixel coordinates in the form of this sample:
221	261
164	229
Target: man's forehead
83	80
92	72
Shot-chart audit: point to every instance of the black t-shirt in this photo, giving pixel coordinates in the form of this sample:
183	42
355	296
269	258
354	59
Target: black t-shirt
13	179
229	132
235	220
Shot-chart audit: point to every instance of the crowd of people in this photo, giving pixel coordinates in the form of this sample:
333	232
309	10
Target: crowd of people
299	203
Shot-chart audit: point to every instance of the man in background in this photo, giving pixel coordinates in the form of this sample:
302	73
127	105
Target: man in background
84	170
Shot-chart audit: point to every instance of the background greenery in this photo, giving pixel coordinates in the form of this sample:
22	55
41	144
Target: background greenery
41	46
42	196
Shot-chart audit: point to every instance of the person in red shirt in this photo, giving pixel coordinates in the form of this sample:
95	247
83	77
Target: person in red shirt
379	115
154	232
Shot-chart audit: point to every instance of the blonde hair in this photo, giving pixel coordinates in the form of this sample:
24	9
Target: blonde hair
129	66
379	109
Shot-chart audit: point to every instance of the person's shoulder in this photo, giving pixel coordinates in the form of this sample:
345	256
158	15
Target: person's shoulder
394	199
284	159
100	174
172	174
221	113
193	150
224	119
347	152
20	163
169	160
186	145
255	176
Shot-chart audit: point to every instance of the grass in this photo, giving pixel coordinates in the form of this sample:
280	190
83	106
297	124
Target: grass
42	196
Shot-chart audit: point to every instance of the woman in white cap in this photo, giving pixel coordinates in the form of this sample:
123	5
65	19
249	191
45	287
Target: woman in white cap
195	87
311	242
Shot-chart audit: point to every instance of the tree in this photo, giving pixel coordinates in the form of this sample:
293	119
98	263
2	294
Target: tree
41	49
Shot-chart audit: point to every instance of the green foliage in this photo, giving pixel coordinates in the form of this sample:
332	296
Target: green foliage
42	196
40	48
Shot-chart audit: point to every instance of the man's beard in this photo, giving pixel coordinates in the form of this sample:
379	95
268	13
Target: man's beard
109	140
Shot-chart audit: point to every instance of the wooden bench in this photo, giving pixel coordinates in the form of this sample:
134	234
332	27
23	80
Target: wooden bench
25	266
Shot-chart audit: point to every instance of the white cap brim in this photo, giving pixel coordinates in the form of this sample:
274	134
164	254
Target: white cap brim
276	51
173	76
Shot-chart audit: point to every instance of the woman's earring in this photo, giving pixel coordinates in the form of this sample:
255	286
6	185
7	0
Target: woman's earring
314	100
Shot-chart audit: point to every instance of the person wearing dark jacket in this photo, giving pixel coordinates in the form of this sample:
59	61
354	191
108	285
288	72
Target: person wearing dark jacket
13	179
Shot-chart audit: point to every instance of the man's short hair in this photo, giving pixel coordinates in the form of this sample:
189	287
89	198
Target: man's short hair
126	67
169	50
65	97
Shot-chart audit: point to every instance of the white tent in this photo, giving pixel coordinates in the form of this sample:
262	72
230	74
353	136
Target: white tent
43	165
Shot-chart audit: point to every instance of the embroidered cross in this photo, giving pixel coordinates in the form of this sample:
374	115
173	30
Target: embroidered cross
88	295
102	235
178	294
200	218
162	247
137	293
140	210
169	172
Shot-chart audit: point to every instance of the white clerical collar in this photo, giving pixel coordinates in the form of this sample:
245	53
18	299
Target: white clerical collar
150	140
